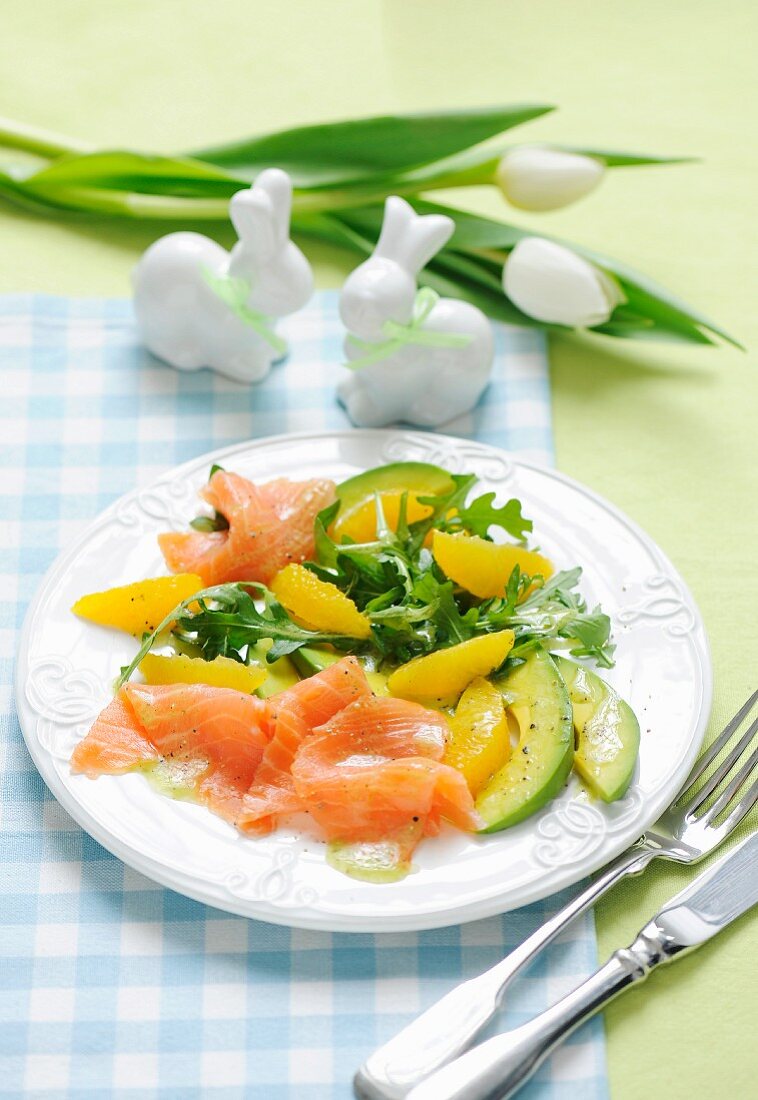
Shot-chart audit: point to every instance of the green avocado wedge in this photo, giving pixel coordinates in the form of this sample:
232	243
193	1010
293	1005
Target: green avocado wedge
607	732
282	674
309	660
540	764
417	477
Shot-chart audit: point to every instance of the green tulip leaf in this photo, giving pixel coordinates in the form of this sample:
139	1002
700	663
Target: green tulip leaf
341	152
615	159
145	174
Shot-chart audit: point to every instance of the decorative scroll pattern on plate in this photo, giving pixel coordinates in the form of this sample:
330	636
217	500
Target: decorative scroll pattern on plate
164	505
274	886
465	457
66	701
664	602
574	829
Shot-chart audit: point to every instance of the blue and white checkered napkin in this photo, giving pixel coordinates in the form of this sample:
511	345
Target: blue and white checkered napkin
112	986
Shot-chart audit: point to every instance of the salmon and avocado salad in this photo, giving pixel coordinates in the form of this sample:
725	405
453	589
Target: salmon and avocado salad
383	655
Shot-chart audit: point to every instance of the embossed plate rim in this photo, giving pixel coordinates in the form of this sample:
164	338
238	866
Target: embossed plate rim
556	878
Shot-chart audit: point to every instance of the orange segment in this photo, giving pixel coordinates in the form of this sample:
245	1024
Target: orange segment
442	675
359	523
480	742
482	567
220	672
138	608
318	603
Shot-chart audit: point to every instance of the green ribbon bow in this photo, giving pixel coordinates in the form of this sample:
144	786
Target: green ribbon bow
234	294
398	336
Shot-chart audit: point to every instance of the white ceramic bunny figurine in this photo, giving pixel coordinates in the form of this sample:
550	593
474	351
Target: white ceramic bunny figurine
198	305
412	355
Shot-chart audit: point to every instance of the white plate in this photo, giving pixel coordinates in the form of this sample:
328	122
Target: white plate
662	667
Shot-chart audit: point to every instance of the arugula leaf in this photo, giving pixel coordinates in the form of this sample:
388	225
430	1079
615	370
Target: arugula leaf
499	610
326	548
450	626
481	514
441	505
402	530
453	512
592	633
426	618
555	615
239	623
227	620
216	522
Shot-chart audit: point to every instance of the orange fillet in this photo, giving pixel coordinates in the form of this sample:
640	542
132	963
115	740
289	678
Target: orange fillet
373	772
270	526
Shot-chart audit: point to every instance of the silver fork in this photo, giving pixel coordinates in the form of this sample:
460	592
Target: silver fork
685	833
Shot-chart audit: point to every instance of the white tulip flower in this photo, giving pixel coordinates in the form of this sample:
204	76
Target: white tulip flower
534	177
554	285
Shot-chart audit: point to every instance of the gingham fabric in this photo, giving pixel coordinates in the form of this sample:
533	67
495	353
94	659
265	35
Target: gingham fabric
112	986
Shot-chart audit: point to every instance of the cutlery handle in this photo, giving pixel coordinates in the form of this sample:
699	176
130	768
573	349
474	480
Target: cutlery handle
450	1025
495	1070
498	1067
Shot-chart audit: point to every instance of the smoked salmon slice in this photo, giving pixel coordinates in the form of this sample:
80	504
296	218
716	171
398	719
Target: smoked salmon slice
115	744
294	714
270	525
210	739
373	771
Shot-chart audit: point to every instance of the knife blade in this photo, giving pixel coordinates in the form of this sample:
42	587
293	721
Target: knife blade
712	900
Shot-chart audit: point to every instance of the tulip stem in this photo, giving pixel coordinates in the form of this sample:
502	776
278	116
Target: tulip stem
33	139
496	255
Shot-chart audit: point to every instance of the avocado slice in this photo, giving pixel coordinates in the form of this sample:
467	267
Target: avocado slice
539	765
282	674
417	477
607	732
308	660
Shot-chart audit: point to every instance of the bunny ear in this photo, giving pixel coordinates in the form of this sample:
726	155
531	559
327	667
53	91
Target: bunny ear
278	186
409	238
252	216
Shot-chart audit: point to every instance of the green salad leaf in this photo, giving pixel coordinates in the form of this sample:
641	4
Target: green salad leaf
216	522
412	607
481	514
225	620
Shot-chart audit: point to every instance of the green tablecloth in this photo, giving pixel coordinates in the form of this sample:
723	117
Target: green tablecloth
668	433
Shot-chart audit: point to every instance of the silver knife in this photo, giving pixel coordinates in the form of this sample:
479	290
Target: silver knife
495	1069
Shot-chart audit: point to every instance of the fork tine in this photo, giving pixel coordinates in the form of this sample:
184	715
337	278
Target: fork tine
740	811
732	788
704	762
722	770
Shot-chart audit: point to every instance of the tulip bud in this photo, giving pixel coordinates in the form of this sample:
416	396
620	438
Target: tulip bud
534	177
554	285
